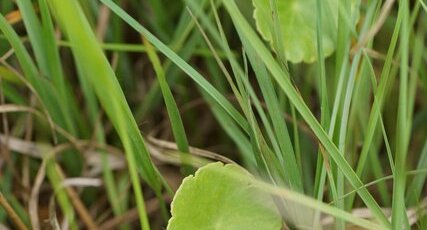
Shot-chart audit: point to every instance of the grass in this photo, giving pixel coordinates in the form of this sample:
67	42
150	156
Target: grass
119	91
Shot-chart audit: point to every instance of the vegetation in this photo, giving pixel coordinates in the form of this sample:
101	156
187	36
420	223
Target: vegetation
316	110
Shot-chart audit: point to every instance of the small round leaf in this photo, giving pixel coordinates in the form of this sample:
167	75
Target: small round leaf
297	20
222	197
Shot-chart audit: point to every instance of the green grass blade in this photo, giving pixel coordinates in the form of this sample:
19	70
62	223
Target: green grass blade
280	129
399	217
415	188
173	112
34	30
60	193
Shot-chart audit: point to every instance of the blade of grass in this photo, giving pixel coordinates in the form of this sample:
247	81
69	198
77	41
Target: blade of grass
415	173
399	217
342	70
233	130
34	30
281	132
11	212
153	97
415	188
324	104
377	168
59	191
173	112
344	128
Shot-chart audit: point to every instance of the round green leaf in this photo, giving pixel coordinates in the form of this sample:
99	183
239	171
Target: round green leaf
297	19
222	197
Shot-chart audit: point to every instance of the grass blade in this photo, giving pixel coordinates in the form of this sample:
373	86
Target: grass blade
173	112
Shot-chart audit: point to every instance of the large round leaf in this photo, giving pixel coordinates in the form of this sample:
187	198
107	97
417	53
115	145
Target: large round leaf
222	197
297	19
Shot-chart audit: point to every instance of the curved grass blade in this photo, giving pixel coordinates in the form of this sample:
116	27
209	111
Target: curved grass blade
173	112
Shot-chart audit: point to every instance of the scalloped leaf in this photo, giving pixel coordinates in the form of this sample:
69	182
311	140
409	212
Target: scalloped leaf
222	197
297	19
